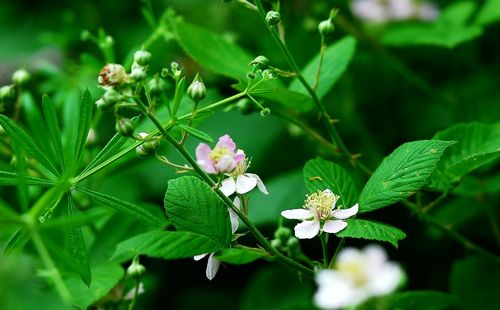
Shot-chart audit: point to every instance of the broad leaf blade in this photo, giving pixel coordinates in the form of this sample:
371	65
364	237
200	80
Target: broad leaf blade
489	13
78	250
53	128
372	231
24	141
128	208
402	173
336	59
320	174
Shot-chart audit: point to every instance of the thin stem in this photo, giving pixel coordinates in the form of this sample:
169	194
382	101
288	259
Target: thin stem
136	293
182	168
324	246
332	261
321	57
51	267
435	202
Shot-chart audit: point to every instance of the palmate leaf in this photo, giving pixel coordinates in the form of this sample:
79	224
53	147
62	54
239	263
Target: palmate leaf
402	173
370	230
320	174
53	129
77	247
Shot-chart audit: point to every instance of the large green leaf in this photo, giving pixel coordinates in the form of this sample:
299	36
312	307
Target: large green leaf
240	255
24	141
489	13
77	247
372	231
336	59
213	51
126	207
167	245
478	144
53	128
320	174
475	281
191	205
402	173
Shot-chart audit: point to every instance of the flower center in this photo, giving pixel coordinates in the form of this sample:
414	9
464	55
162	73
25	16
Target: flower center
321	203
219	152
353	270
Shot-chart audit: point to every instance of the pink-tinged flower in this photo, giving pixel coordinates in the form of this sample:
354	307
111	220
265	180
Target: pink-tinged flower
357	276
213	263
319	214
222	159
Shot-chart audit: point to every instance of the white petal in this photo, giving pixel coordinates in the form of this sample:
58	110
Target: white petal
343	214
306	229
375	254
244	184
198	257
297	214
334	290
235	221
212	266
386	280
260	184
334	227
228	187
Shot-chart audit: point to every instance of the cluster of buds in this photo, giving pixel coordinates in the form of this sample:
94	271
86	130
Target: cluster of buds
148	147
140	65
285	242
8	92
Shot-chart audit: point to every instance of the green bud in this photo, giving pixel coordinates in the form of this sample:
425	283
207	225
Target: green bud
276	243
104	105
85	35
283	234
136	270
147	148
197	91
293	245
125	127
265	112
326	27
251	75
7	93
156	87
112	96
273	18
138	73
142	58
21	77
261	62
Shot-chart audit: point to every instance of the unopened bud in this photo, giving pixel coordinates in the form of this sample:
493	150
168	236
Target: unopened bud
326	27
273	18
138	74
85	35
293	245
7	93
112	75
147	148
197	91
136	270
283	234
21	77
125	127
261	62
142	58
265	112
276	243
156	87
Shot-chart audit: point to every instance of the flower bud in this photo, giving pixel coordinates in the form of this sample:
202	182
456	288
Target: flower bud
142	58
293	245
148	147
138	74
156	87
136	270
21	77
273	18
283	234
261	62
197	91
125	127
7	93
326	27
112	75
265	112
85	35
276	243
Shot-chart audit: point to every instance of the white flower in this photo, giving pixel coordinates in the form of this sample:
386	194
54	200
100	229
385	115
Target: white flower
380	11
130	294
357	276
319	209
213	263
241	182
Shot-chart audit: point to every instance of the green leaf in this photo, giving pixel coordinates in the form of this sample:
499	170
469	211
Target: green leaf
450	30
105	277
336	59
240	255
24	141
402	173
320	174
17	240
489	13
475	281
191	205
78	250
22	187
478	144
372	231
197	133
84	120
53	129
7	215
167	245
128	208
12	179
212	51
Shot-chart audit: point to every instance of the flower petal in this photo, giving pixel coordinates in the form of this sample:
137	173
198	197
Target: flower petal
260	184
343	214
226	142
228	187
334	227
225	164
297	214
212	266
198	257
244	184
386	280
203	158
334	290
239	156
235	221
306	229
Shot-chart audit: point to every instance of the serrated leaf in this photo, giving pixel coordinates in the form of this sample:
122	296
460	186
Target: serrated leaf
12	179
84	119
335	61
212	51
402	173
197	133
167	245
478	144
128	208
240	255
191	205
53	129
320	174
369	230
489	13
24	141
78	250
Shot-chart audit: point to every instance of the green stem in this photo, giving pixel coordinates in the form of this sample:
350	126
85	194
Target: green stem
332	261
324	246
136	293
51	267
321	56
